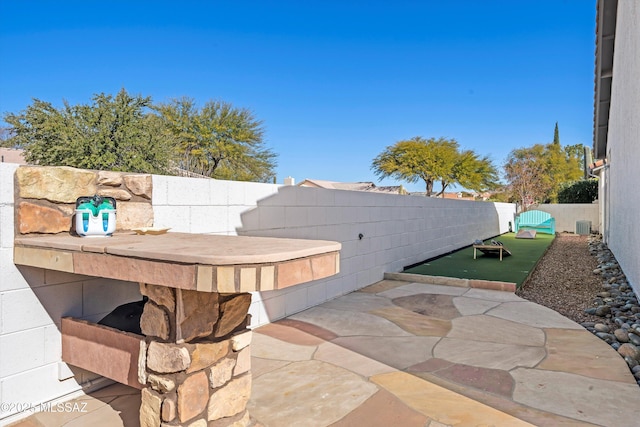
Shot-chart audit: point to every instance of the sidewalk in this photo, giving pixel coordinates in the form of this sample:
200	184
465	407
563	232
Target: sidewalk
411	354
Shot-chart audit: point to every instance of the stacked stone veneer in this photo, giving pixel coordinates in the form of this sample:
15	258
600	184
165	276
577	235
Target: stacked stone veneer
195	360
46	196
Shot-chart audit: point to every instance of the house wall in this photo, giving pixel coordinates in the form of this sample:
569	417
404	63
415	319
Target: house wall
12	155
623	144
567	214
397	231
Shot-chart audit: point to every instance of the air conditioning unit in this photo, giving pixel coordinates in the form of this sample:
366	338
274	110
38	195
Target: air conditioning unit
583	227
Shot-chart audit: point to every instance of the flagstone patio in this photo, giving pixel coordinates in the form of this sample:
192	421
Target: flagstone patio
414	354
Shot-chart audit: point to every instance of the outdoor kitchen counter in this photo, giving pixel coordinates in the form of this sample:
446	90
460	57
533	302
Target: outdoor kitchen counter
186	344
201	262
192	361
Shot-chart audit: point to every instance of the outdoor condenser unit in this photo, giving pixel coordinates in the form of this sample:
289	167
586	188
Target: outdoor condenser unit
583	227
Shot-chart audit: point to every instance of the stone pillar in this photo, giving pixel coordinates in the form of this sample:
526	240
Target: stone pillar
195	360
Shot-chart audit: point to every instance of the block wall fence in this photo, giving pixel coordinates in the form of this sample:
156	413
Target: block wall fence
396	230
567	215
379	233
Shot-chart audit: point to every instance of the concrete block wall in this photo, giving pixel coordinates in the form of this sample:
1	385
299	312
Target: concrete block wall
397	230
214	207
567	214
32	302
193	205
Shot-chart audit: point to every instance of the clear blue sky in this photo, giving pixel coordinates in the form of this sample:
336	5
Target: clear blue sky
334	82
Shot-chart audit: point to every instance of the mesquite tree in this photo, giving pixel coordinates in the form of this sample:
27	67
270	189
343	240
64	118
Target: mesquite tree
432	160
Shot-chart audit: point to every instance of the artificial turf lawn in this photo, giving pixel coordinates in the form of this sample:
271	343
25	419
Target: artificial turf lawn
525	253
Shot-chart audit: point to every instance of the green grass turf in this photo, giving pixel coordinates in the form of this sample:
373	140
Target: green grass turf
525	253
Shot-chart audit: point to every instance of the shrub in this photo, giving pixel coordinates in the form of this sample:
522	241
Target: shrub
583	191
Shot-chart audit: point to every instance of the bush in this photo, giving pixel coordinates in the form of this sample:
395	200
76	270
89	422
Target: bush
583	191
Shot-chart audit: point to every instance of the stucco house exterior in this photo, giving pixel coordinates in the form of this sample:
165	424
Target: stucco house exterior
617	130
12	155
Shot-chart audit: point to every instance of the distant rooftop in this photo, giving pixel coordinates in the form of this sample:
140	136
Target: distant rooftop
353	186
458	195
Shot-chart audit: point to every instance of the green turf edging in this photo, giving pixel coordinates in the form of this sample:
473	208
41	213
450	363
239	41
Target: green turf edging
515	268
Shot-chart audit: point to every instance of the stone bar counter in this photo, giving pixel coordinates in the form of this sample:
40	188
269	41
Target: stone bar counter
192	362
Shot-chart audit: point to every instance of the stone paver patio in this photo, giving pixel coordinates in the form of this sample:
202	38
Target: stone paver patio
412	354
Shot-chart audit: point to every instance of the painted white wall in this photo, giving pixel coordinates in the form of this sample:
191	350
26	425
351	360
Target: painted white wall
196	205
567	214
397	230
623	144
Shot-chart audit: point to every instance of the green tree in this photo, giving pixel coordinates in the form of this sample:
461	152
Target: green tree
582	191
218	140
556	135
473	172
501	195
5	136
527	175
575	160
112	133
432	160
536	174
563	164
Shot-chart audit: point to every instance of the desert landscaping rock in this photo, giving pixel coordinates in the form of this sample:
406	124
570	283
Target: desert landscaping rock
629	350
608	338
617	305
621	335
599	327
563	279
595	291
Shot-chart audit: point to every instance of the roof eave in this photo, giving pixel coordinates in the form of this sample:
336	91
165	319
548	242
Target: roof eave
605	41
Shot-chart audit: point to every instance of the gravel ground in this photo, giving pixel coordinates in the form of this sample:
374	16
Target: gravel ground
563	279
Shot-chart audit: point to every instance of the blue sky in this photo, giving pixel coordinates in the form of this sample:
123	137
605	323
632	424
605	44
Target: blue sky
335	82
